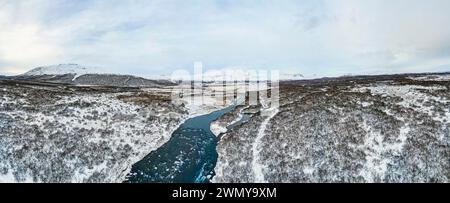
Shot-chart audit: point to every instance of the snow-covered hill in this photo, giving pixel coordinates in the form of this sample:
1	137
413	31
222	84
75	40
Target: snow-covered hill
61	69
87	76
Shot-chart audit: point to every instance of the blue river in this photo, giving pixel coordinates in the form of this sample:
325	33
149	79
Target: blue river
188	157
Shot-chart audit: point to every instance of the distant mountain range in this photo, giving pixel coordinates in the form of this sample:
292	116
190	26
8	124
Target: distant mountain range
232	75
83	75
75	74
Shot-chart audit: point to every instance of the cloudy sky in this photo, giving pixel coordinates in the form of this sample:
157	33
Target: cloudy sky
313	37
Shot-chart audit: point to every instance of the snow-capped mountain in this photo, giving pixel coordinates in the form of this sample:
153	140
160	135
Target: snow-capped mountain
291	76
82	75
231	75
61	69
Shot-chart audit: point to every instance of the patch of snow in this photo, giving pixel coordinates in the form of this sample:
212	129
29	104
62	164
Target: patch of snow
308	170
239	118
445	77
9	177
217	129
365	104
375	165
83	174
256	149
411	96
201	102
375	148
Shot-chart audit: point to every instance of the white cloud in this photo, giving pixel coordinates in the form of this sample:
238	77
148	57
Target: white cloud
313	37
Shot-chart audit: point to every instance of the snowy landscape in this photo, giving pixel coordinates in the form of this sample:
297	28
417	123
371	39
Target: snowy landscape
58	133
356	129
65	123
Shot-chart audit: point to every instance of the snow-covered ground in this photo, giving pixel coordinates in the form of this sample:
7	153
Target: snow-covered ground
256	147
49	134
342	130
219	126
442	77
218	129
414	97
57	136
391	129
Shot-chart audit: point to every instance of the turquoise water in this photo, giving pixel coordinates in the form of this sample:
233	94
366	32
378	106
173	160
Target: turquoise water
188	157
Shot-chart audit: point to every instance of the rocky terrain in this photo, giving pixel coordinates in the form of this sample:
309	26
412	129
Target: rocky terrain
352	129
64	133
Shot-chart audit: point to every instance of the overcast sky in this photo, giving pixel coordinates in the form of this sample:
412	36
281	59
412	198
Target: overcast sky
325	38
